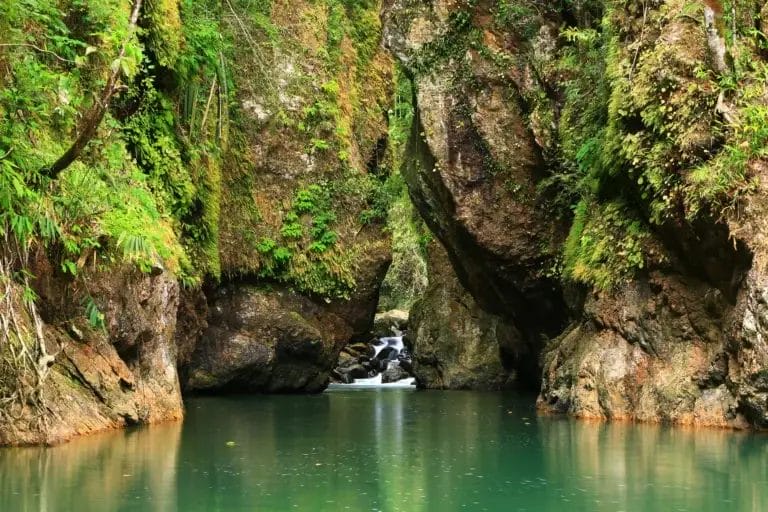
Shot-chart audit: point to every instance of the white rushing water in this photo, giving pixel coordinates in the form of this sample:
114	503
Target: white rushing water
395	342
376	382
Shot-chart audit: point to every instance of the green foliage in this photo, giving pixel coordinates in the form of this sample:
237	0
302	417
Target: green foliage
147	190
292	230
139	194
605	245
607	239
323	119
459	36
400	116
93	313
335	32
650	136
381	198
518	16
364	29
721	182
203	43
406	279
306	255
152	137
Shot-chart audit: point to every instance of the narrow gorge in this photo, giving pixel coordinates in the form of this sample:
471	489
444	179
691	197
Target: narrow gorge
260	225
572	196
203	197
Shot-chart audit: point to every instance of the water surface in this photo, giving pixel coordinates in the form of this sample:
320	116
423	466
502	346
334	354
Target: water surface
389	451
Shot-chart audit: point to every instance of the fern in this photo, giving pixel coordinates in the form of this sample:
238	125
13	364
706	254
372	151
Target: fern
93	313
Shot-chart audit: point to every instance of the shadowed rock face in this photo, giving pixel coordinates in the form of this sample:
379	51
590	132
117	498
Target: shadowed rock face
496	242
473	170
270	340
456	344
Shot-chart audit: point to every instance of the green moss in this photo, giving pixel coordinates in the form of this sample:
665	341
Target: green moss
164	30
647	147
306	255
605	245
459	36
176	149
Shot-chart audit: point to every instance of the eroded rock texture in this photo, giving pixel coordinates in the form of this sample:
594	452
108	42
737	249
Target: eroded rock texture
96	379
266	339
473	173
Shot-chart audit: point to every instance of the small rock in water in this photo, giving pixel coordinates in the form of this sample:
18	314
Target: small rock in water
393	374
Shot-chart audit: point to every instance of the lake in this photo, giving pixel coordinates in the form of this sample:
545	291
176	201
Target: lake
389	451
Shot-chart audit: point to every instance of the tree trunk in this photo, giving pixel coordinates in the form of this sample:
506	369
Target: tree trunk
92	119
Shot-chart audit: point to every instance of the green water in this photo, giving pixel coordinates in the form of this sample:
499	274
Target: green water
389	451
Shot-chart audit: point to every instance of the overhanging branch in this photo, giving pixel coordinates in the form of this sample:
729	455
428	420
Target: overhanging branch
92	119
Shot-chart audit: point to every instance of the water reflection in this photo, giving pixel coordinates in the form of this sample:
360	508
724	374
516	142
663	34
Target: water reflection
642	466
101	472
389	451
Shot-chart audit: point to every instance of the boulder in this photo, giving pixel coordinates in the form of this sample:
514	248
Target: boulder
266	339
394	373
357	371
359	350
388	322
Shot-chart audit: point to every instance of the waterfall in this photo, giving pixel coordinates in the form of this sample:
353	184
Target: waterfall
385	363
394	342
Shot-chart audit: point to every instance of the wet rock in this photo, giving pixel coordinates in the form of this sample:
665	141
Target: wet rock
346	360
360	350
456	344
388	354
394	373
266	340
357	371
389	322
191	322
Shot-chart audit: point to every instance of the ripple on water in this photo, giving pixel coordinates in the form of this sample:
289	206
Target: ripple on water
389	451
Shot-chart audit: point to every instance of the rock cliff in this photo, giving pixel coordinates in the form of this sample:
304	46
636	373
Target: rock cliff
458	345
68	378
594	173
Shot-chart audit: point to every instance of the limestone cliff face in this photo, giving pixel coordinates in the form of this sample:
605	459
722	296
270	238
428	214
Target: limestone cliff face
473	172
475	163
307	149
306	154
672	347
82	379
299	183
579	165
